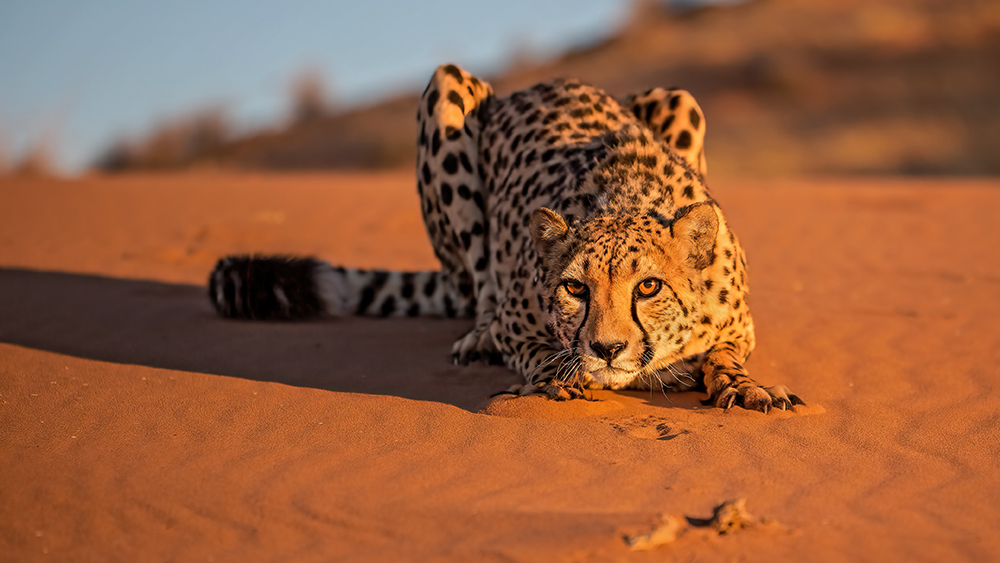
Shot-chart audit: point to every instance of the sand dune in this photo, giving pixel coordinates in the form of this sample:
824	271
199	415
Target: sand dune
135	425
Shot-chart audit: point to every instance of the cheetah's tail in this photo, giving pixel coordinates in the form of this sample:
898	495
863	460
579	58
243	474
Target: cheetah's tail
289	288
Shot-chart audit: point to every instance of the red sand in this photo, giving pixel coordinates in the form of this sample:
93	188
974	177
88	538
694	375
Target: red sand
135	425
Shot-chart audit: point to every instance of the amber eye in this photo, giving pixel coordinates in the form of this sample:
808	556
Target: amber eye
648	287
575	288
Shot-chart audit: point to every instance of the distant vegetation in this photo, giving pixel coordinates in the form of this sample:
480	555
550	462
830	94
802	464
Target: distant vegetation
788	87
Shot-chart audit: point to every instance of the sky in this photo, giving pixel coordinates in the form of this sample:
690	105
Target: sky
77	76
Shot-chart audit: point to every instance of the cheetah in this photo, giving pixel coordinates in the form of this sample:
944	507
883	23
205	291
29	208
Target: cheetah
576	230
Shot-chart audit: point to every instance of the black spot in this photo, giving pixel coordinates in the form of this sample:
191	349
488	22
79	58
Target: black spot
452	133
463	192
465	162
456	99
426	171
515	143
667	123
466	239
695	119
432	100
689	191
683	140
407	290
450	164
436	142
547	155
561	102
430	286
453	71
465	289
674	101
481	264
446	193
723	294
706	321
531	318
650	109
367	297
413	311
477	228
388	306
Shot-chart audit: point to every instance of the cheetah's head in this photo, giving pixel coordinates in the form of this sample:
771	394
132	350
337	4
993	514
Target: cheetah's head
624	291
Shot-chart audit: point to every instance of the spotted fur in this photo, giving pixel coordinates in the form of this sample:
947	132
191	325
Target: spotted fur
575	229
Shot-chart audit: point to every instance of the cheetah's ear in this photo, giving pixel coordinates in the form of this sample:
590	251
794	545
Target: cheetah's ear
548	230
697	227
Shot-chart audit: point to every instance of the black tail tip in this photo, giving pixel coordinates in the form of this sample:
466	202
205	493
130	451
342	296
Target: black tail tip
265	288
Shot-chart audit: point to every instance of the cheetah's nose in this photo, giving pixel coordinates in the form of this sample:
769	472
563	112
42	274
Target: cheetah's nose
608	350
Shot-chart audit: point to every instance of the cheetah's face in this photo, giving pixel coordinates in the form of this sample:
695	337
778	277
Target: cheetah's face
624	292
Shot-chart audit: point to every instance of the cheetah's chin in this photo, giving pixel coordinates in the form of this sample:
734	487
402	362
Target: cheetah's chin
613	378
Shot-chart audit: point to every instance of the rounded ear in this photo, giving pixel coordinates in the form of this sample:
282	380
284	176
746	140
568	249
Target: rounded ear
697	227
548	230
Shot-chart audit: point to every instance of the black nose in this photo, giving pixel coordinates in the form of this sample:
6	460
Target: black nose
608	350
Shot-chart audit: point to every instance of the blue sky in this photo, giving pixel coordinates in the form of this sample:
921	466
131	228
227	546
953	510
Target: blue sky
78	75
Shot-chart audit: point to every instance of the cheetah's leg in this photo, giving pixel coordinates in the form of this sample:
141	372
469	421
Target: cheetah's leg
728	384
677	118
449	122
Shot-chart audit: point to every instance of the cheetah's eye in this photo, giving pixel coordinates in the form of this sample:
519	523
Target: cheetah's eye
575	288
648	287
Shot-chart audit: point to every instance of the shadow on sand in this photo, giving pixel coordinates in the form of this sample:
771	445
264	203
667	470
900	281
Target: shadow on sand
174	327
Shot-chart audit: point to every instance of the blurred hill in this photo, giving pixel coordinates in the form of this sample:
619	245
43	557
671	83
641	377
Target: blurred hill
787	86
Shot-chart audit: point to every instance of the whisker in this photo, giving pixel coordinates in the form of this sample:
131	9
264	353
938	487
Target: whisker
546	362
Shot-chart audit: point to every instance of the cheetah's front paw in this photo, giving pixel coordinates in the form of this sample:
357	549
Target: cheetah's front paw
554	390
754	397
477	344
